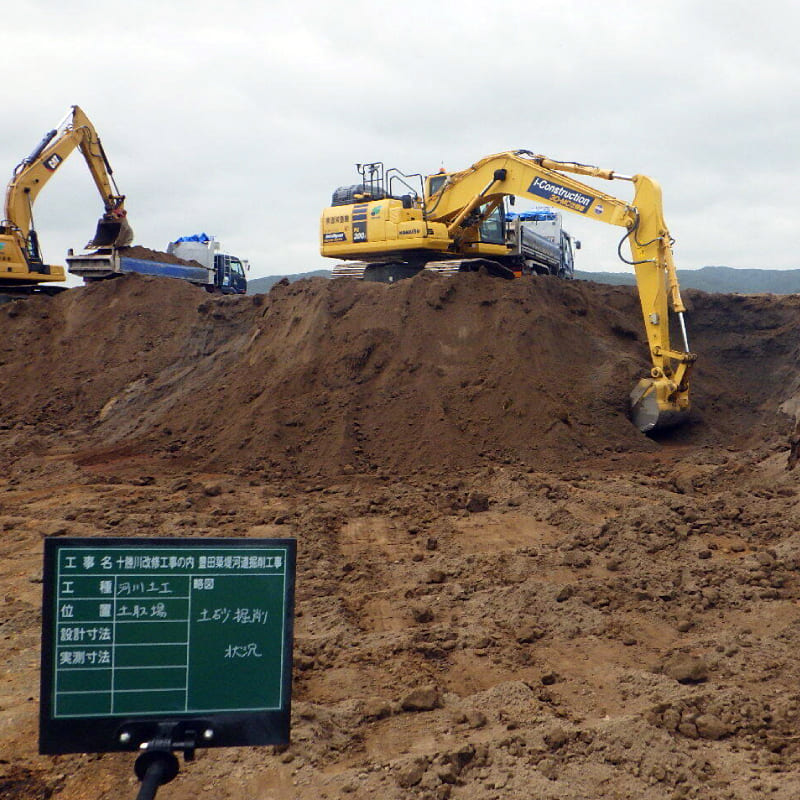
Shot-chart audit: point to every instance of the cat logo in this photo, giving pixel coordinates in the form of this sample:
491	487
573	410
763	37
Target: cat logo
53	162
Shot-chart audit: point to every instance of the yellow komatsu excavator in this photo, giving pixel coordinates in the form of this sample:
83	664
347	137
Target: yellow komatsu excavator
393	225
22	269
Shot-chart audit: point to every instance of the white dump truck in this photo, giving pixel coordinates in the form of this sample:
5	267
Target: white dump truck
197	259
226	273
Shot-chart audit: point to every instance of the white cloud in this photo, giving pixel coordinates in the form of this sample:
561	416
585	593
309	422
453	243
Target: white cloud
241	119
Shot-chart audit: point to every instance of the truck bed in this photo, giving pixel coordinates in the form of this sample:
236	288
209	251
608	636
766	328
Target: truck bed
537	248
94	266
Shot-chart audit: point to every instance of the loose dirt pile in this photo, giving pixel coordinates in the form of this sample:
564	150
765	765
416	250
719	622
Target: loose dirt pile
428	374
504	590
146	254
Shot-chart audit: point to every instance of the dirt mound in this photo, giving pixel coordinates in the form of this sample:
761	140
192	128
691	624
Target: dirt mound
748	354
320	376
424	374
503	590
146	254
64	361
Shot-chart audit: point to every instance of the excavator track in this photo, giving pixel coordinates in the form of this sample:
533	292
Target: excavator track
391	272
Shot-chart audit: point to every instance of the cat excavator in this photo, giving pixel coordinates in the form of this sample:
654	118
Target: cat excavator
22	268
393	225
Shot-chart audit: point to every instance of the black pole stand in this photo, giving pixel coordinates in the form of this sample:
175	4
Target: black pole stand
157	764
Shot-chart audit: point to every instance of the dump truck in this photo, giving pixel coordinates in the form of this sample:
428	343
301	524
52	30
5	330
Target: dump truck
225	272
197	259
540	243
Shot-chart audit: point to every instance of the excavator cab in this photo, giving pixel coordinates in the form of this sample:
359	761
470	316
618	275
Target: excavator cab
493	228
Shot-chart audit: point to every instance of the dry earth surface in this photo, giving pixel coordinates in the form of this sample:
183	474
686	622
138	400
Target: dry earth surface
503	589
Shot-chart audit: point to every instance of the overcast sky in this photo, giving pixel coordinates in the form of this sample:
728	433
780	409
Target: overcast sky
239	119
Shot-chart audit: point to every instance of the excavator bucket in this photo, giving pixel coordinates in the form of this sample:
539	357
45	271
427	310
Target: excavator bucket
656	404
112	232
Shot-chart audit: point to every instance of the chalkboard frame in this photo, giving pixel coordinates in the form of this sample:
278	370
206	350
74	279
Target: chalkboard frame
128	732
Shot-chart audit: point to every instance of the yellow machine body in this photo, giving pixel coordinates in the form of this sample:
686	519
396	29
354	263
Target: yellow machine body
21	263
445	219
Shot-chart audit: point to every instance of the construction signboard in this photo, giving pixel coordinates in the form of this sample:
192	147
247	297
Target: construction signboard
137	632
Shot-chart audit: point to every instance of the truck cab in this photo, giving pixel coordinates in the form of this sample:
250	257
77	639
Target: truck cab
224	273
229	277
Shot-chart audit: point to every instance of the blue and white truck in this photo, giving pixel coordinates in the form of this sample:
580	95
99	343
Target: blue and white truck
197	259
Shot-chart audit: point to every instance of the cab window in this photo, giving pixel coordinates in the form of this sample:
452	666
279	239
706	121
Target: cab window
493	227
435	183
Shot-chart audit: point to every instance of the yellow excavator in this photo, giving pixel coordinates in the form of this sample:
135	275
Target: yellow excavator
22	269
392	225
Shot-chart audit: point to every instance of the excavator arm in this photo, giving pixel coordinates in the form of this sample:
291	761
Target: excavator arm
662	399
30	177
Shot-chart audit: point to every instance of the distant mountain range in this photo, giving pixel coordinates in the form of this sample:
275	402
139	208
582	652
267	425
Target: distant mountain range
725	280
262	285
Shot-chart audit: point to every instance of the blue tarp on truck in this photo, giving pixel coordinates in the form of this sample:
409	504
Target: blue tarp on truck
203	238
534	215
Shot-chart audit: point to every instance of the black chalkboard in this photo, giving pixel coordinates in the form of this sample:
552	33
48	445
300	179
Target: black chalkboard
139	632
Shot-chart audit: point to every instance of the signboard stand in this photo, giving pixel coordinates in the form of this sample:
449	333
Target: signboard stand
157	764
162	645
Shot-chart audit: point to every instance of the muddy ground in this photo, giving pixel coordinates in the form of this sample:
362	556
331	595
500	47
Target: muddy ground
503	590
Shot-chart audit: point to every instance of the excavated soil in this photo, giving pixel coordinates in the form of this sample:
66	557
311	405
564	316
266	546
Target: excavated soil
504	590
146	254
